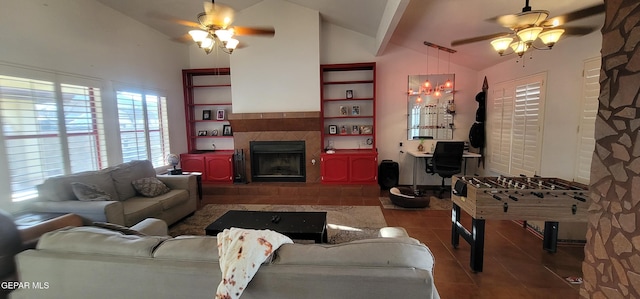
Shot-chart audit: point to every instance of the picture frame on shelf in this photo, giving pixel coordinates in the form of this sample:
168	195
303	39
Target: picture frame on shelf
355	130
344	111
226	130
220	114
214	132
349	94
355	110
202	133
343	130
333	129
206	114
366	129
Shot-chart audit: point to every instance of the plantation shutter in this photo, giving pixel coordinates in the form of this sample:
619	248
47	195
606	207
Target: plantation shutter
588	111
525	158
500	129
50	127
515	126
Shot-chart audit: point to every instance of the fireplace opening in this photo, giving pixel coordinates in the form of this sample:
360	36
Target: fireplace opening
277	161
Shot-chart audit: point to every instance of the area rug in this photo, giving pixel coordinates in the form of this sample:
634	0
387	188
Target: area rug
434	204
344	223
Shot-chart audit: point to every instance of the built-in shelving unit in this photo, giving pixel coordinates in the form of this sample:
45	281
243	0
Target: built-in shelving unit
207	100
348	117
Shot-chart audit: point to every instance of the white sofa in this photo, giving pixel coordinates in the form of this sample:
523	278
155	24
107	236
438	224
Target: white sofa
126	206
89	262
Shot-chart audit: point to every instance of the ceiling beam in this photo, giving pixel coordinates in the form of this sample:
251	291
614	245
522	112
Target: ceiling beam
390	18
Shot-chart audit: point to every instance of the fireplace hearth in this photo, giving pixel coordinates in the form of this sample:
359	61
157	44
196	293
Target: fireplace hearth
277	161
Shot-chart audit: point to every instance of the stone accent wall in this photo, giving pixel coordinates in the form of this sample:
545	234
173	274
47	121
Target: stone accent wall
611	268
284	126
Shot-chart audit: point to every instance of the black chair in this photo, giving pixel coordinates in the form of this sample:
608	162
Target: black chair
446	161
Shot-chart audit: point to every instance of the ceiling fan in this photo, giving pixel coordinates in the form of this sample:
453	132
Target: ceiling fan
216	30
529	25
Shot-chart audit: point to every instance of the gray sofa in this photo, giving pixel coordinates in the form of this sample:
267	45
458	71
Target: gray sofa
89	262
126	206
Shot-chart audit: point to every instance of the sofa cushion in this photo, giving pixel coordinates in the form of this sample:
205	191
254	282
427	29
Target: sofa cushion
137	209
191	248
380	252
59	188
88	239
126	173
150	187
89	192
172	198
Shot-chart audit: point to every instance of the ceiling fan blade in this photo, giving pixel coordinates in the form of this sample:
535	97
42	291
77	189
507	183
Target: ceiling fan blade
575	15
166	17
184	39
254	30
478	38
218	14
578	30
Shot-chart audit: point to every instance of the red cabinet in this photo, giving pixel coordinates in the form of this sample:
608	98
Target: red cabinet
219	168
216	167
349	168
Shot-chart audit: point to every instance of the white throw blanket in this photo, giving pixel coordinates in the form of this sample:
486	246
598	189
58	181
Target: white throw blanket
241	252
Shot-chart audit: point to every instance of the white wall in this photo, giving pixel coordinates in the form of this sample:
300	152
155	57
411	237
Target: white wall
563	65
282	71
89	39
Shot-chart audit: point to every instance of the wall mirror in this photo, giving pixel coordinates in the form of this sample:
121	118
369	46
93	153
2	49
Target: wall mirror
430	107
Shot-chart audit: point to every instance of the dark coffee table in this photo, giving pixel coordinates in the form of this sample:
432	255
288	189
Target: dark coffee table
295	225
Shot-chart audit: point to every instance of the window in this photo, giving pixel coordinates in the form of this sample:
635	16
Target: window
50	127
586	129
143	127
515	123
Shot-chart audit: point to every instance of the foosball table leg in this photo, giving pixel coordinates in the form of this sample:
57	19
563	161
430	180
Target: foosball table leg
550	241
477	245
455	220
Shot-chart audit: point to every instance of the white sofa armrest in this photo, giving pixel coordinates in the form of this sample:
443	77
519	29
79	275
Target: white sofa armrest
99	211
152	227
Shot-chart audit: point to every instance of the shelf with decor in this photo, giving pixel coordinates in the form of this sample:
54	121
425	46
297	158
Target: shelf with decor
207	100
348	117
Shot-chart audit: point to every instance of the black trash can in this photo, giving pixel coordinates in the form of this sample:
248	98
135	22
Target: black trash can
388	174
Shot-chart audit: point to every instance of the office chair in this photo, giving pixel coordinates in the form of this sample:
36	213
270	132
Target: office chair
446	161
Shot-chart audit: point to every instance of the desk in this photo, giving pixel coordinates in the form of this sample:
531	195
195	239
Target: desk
417	155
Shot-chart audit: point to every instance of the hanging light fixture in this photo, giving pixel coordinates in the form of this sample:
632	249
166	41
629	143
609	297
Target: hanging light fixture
214	35
448	83
427	84
533	37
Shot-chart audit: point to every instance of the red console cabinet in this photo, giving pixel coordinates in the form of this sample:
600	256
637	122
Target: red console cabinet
349	167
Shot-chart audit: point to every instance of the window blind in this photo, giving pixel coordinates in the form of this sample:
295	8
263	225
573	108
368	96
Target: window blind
143	122
586	128
49	128
515	126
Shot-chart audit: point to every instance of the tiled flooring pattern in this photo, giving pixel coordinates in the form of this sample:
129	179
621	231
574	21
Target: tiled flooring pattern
515	266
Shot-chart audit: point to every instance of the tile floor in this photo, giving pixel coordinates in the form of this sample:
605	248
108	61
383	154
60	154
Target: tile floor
515	266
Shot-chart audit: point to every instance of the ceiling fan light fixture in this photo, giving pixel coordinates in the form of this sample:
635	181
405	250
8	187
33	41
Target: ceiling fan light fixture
551	37
501	44
519	48
198	35
224	34
528	35
231	44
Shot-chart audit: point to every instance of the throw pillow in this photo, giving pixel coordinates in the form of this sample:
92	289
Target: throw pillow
118	228
150	187
89	192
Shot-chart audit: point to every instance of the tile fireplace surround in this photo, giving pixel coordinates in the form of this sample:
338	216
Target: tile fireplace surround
279	126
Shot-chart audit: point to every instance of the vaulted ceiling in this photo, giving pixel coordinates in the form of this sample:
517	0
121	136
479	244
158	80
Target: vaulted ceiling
407	23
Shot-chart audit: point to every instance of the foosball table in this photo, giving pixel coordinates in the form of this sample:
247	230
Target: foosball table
514	198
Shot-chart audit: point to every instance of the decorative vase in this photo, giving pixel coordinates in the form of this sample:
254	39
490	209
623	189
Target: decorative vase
420	147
